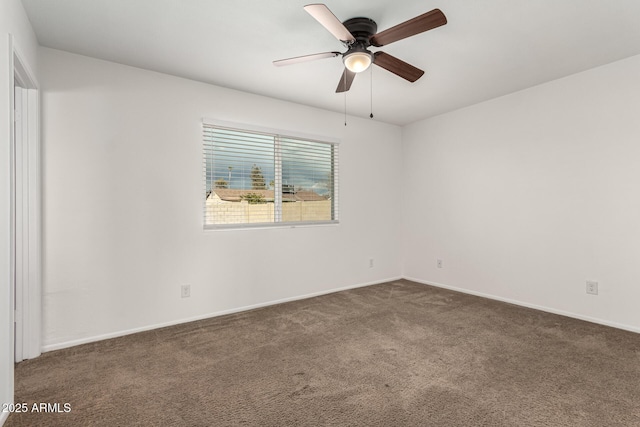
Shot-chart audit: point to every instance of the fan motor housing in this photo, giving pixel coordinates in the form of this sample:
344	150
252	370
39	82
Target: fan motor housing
362	29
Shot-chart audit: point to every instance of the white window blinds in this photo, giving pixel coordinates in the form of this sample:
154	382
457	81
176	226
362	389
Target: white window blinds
258	178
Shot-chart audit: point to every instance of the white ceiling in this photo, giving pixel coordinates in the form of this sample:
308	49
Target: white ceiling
488	48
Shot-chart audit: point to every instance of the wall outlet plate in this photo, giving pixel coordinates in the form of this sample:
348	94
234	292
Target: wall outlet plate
439	263
185	291
592	287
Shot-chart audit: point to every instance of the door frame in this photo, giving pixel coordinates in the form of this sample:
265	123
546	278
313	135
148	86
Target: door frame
26	208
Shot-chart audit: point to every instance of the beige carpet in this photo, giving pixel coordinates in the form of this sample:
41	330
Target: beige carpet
393	354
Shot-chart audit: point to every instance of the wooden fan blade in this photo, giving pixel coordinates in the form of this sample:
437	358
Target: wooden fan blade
327	19
397	66
345	81
305	58
419	24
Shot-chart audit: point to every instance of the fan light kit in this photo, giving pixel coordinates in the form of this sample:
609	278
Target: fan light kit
357	60
358	34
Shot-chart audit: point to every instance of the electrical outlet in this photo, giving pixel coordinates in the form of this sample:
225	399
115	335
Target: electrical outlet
185	291
592	287
439	263
370	262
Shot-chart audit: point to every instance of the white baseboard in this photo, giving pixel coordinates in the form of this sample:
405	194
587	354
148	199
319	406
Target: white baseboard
3	417
528	305
72	343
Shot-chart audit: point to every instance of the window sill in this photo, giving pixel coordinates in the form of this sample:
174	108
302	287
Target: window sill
235	227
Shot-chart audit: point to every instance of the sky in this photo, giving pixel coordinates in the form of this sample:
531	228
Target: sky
231	155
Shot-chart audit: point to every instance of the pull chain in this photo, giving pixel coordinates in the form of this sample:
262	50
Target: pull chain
371	91
345	96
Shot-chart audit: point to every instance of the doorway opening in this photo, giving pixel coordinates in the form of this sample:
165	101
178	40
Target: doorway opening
26	228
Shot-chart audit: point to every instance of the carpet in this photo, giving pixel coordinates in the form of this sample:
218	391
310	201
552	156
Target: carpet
394	354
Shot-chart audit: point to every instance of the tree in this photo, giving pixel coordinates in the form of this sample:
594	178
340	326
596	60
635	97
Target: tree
221	183
257	178
254	198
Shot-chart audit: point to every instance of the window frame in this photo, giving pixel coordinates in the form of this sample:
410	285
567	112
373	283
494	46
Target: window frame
277	134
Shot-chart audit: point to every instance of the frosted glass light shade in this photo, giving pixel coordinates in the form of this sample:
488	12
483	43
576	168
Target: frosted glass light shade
357	61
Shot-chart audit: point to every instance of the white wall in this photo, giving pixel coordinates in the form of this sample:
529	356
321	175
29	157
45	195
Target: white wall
527	196
13	20
123	190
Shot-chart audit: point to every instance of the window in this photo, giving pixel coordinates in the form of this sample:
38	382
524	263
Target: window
260	178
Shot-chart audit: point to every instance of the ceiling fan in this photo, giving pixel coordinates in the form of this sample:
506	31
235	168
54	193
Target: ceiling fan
358	34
